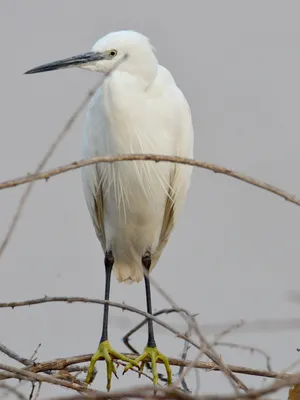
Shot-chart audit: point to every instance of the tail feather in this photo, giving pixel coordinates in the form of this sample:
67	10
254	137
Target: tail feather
128	273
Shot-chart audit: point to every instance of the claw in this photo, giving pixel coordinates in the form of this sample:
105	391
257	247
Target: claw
105	351
154	355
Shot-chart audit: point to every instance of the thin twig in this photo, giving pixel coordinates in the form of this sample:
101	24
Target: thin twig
38	391
228	330
32	390
18	373
252	349
35	352
204	346
136	369
157	158
288	368
186	347
69	300
11	354
77	368
186	370
126	337
30	362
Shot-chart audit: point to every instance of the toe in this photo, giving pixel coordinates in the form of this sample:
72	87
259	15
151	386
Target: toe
154	358
166	363
89	376
110	370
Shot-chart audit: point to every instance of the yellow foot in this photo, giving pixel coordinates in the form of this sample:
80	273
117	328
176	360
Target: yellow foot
105	351
153	354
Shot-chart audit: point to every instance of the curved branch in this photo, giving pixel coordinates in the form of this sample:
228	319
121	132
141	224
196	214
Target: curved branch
143	392
122	306
148	157
23	374
62	364
65	362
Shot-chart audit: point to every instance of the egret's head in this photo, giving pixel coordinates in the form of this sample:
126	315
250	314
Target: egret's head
129	51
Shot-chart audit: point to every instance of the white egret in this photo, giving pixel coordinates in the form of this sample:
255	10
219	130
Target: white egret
135	204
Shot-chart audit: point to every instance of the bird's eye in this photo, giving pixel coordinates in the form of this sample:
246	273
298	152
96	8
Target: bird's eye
113	53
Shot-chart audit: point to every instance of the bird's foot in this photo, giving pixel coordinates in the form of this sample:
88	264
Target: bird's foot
105	352
152	354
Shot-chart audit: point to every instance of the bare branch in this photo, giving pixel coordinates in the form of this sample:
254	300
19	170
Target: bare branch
23	374
64	299
228	330
15	356
64	363
32	358
38	391
186	347
205	347
165	393
252	349
185	371
126	337
60	364
157	158
123	306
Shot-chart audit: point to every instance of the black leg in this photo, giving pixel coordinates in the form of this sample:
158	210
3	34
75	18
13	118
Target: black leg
109	262
150	350
105	351
146	260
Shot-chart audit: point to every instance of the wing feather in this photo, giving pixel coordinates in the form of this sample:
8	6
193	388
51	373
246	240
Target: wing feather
179	181
98	216
167	226
93	192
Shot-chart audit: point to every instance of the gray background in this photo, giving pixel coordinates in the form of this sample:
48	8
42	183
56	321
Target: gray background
235	252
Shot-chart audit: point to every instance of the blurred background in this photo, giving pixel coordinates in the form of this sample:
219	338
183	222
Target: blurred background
235	251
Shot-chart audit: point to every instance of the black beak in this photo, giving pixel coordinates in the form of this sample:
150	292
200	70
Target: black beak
68	62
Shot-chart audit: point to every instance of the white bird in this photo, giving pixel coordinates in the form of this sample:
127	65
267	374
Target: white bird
134	205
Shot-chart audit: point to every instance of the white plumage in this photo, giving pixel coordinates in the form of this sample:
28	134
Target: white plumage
134	204
139	109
